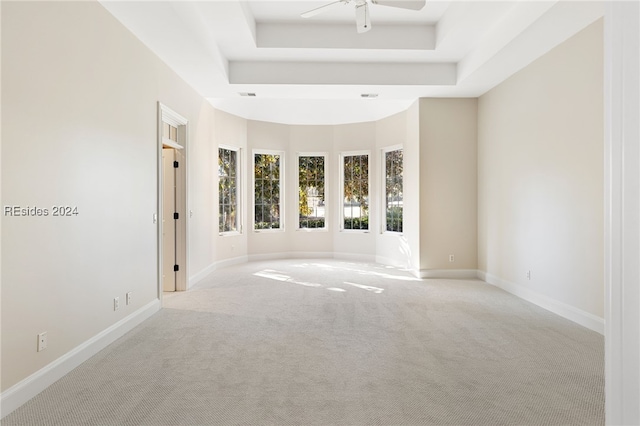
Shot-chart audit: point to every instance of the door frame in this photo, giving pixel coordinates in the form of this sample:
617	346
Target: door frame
167	115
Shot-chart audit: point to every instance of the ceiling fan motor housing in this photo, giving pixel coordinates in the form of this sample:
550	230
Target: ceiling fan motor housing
363	20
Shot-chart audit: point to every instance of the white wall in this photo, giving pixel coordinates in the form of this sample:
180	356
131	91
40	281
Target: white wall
448	184
79	115
540	178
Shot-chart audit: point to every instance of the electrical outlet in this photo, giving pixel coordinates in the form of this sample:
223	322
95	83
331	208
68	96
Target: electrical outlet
129	298
116	303
42	341
451	258
528	275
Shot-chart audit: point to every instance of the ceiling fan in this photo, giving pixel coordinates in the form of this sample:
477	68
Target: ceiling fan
363	20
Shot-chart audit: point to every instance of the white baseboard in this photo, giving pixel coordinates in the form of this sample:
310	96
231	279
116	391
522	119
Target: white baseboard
230	262
354	257
291	255
29	387
569	312
266	256
392	262
309	255
194	279
447	273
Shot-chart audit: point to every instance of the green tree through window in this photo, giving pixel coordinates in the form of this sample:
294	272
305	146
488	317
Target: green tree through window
356	191
393	163
311	182
267	168
227	190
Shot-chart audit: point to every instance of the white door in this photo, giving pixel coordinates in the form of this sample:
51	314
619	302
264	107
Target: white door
168	221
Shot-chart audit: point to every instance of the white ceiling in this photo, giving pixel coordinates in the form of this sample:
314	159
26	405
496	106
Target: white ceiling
313	71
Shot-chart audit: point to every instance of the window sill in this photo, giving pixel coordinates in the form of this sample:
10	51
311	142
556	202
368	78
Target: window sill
230	233
325	229
268	231
399	234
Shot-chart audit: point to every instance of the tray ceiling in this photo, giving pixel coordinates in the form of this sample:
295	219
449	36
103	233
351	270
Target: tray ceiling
315	71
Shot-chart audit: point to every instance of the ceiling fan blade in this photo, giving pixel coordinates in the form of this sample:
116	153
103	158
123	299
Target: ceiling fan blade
403	4
363	20
317	10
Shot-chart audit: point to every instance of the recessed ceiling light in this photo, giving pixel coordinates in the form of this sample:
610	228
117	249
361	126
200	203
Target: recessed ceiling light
369	95
246	94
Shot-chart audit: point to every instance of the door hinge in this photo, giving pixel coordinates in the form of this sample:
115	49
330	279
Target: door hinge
176	216
175	164
176	268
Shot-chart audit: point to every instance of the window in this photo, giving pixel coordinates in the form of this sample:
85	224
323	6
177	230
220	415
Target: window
311	193
228	194
268	189
393	164
355	191
169	132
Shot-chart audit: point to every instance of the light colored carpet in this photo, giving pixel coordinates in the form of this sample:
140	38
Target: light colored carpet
325	342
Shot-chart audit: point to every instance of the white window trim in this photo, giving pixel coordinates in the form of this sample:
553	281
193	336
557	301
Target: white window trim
239	193
383	188
341	190
326	187
282	189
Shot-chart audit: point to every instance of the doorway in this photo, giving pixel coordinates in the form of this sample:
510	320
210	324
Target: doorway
172	229
168	219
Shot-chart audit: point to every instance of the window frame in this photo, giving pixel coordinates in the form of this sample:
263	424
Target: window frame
341	206
325	155
281	179
239	193
383	189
